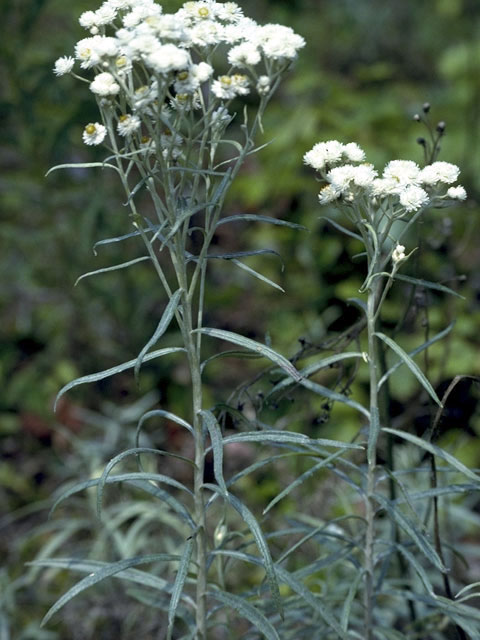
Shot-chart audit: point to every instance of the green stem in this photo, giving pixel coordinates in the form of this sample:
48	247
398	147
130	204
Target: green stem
369	599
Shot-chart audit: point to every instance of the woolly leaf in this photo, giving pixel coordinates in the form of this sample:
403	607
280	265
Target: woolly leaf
116	267
216	438
246	610
179	584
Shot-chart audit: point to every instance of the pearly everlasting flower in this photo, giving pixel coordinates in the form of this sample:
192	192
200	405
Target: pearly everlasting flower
323	154
144	96
63	65
94	133
341	177
167	58
457	193
363	175
105	15
206	33
228	87
398	254
104	85
229	12
329	194
278	41
413	198
128	124
88	19
402	172
245	54
353	152
91	51
444	172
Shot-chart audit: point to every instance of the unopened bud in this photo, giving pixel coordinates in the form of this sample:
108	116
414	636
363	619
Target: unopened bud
416	117
441	127
421	141
426	107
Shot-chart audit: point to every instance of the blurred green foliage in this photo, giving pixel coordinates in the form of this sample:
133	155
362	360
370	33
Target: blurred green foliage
368	67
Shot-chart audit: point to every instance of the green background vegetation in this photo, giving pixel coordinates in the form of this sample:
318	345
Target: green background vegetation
367	68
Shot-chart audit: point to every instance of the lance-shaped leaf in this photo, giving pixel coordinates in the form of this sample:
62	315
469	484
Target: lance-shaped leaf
83	165
163	414
247	611
101	375
105	571
136	452
414	368
248	217
257	275
416	351
179	584
287	437
250	520
335	396
436	451
142	481
339	227
216	438
254	346
115	267
160	330
428	285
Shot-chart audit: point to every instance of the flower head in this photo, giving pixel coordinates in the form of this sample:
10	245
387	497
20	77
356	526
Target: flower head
457	193
63	65
443	172
413	198
105	85
398	254
94	133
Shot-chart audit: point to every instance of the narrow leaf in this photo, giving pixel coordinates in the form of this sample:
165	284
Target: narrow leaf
347	606
105	571
415	351
257	275
417	567
163	414
436	451
254	346
160	330
414	534
335	396
116	267
215	432
247	217
179	584
414	368
250	520
339	227
248	611
101	375
135	452
428	285
229	354
82	165
287	437
301	479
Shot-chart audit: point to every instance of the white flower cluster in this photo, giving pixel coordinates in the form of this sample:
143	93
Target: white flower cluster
132	39
403	185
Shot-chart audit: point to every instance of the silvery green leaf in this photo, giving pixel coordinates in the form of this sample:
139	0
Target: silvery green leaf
416	351
247	611
258	275
163	414
254	346
428	285
347	605
414	368
83	165
101	375
216	438
339	227
100	573
334	395
436	451
247	217
179	584
290	437
160	330
116	267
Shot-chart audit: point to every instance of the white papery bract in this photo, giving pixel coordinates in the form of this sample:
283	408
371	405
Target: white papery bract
94	133
104	85
402	189
63	65
398	254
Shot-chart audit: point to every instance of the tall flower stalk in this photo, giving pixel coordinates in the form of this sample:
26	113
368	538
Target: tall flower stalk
382	209
164	113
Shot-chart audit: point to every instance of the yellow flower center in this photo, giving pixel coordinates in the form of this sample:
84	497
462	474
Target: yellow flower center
183	75
90	129
145	139
226	80
203	12
182	97
141	90
123	118
121	62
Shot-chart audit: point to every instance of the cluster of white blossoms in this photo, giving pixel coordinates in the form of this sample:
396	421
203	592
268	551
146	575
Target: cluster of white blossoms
402	188
146	62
